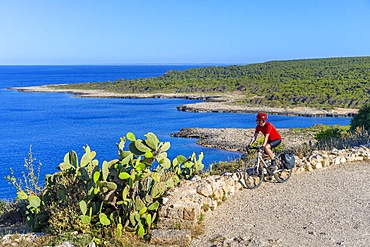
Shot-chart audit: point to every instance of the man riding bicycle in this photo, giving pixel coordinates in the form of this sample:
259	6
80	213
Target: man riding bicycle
272	136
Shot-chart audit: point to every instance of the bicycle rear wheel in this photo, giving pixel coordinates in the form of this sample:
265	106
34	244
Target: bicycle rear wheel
282	174
253	175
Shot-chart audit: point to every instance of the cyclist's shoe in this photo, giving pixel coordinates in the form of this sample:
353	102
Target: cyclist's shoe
251	171
272	167
273	163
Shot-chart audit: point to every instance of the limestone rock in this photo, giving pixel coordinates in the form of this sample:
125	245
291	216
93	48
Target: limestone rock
170	237
205	189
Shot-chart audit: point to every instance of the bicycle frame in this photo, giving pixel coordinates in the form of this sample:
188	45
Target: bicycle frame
257	168
261	161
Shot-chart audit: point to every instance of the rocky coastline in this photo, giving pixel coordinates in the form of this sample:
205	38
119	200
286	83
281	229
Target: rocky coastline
230	139
211	102
224	106
235	139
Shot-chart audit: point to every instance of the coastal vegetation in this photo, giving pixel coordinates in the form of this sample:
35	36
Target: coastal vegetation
321	83
113	203
105	202
362	118
116	204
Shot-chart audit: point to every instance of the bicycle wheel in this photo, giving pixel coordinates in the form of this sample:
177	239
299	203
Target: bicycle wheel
253	175
282	174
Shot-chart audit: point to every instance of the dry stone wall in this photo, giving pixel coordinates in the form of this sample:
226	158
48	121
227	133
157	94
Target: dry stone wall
184	206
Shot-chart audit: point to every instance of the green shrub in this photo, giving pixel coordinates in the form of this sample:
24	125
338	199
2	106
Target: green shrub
362	119
28	188
304	149
63	211
341	137
12	212
29	182
355	138
221	167
327	134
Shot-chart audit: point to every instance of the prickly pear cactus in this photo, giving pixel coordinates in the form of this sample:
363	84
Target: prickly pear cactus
124	193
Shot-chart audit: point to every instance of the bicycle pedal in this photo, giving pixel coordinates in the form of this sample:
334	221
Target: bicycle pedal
272	169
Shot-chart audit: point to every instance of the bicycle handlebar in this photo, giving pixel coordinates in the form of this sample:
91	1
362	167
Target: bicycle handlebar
254	147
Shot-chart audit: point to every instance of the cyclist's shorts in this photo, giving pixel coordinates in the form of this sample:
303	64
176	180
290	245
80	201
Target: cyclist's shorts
274	143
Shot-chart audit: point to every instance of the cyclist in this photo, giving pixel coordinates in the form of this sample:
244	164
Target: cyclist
272	136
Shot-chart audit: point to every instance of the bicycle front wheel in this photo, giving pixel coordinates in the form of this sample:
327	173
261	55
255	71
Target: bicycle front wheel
282	174
253	174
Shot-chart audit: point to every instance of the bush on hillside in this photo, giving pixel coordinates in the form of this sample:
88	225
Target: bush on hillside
341	137
362	119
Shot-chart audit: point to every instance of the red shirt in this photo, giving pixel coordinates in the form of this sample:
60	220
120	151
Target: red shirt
268	128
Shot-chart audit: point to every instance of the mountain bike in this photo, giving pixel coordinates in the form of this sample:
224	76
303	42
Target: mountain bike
257	169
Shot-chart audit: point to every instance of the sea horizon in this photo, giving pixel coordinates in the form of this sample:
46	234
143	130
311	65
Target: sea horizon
130	64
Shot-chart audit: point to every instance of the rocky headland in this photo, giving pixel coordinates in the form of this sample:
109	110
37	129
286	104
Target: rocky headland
236	139
211	103
231	139
326	207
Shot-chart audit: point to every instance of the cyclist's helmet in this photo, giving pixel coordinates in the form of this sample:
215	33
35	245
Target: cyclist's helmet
262	116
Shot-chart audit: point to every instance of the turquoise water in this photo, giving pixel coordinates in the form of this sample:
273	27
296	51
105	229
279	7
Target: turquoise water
55	123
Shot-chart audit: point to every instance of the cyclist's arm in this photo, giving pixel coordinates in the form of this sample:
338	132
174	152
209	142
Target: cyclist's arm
253	138
266	140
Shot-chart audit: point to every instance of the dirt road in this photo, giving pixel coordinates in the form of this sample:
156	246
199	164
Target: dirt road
327	207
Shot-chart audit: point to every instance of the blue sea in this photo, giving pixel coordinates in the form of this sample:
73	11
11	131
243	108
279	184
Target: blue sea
56	123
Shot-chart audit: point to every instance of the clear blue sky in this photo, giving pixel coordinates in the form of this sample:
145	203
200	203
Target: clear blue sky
180	31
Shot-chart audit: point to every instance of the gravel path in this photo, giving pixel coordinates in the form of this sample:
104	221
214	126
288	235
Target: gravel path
326	207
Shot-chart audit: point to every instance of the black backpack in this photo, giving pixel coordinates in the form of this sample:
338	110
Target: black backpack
288	160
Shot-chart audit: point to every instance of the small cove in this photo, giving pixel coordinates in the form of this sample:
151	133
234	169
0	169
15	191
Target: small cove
55	123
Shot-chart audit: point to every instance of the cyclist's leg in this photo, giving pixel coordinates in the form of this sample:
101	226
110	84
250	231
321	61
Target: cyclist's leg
269	151
270	145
